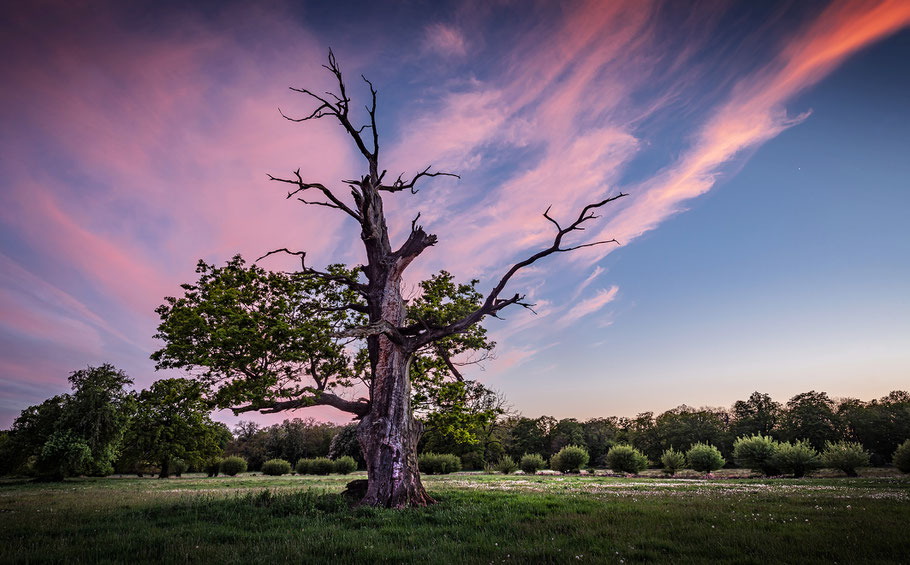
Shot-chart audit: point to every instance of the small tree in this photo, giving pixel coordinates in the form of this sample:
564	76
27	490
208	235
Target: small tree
345	465
796	458
276	467
321	466
705	458
846	456
626	459
531	463
233	465
672	461
570	459
506	465
756	453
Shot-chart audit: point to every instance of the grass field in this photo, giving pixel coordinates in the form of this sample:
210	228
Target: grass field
480	519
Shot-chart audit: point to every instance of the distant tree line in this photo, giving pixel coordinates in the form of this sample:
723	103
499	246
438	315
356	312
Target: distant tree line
102	427
878	425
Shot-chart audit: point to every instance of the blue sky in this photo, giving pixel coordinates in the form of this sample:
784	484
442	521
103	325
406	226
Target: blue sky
765	239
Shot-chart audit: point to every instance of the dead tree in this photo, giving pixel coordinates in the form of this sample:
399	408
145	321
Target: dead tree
388	432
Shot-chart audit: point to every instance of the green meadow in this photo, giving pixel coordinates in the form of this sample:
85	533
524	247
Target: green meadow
479	519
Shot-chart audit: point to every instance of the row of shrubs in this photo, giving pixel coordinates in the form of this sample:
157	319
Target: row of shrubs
234	465
769	457
758	453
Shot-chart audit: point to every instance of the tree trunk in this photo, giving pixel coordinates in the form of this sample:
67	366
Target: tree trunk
388	434
165	469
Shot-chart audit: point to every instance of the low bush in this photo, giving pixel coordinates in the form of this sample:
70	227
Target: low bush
901	457
276	467
846	456
756	453
570	459
438	463
233	465
672	461
321	466
531	463
345	465
626	459
705	458
506	465
178	467
303	466
796	458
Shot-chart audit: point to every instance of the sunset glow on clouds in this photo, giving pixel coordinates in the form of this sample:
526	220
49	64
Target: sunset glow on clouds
136	141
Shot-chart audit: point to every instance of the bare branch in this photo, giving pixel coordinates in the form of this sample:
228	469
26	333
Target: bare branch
302	186
400	184
347	281
339	110
493	304
444	355
372	111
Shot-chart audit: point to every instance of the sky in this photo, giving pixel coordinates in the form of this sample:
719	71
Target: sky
763	145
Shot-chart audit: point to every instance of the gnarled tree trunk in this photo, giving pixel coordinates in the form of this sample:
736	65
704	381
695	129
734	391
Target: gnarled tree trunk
388	436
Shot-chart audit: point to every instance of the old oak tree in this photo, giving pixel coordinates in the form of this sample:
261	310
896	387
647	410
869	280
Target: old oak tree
266	341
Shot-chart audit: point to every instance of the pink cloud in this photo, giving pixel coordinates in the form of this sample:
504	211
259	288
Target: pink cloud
444	40
589	306
754	113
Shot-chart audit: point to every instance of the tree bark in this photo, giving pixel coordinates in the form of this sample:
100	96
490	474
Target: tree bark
388	434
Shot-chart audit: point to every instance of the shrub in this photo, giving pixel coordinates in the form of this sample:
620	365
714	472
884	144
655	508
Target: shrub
178	466
846	456
756	453
705	458
901	458
626	459
796	458
506	465
213	466
672	461
303	466
570	459
321	466
531	462
233	465
276	467
345	465
438	463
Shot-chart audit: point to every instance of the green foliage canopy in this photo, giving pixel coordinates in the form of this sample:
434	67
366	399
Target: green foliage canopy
172	422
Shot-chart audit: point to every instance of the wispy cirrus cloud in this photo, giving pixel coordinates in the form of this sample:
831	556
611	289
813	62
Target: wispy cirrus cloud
755	112
568	114
589	306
